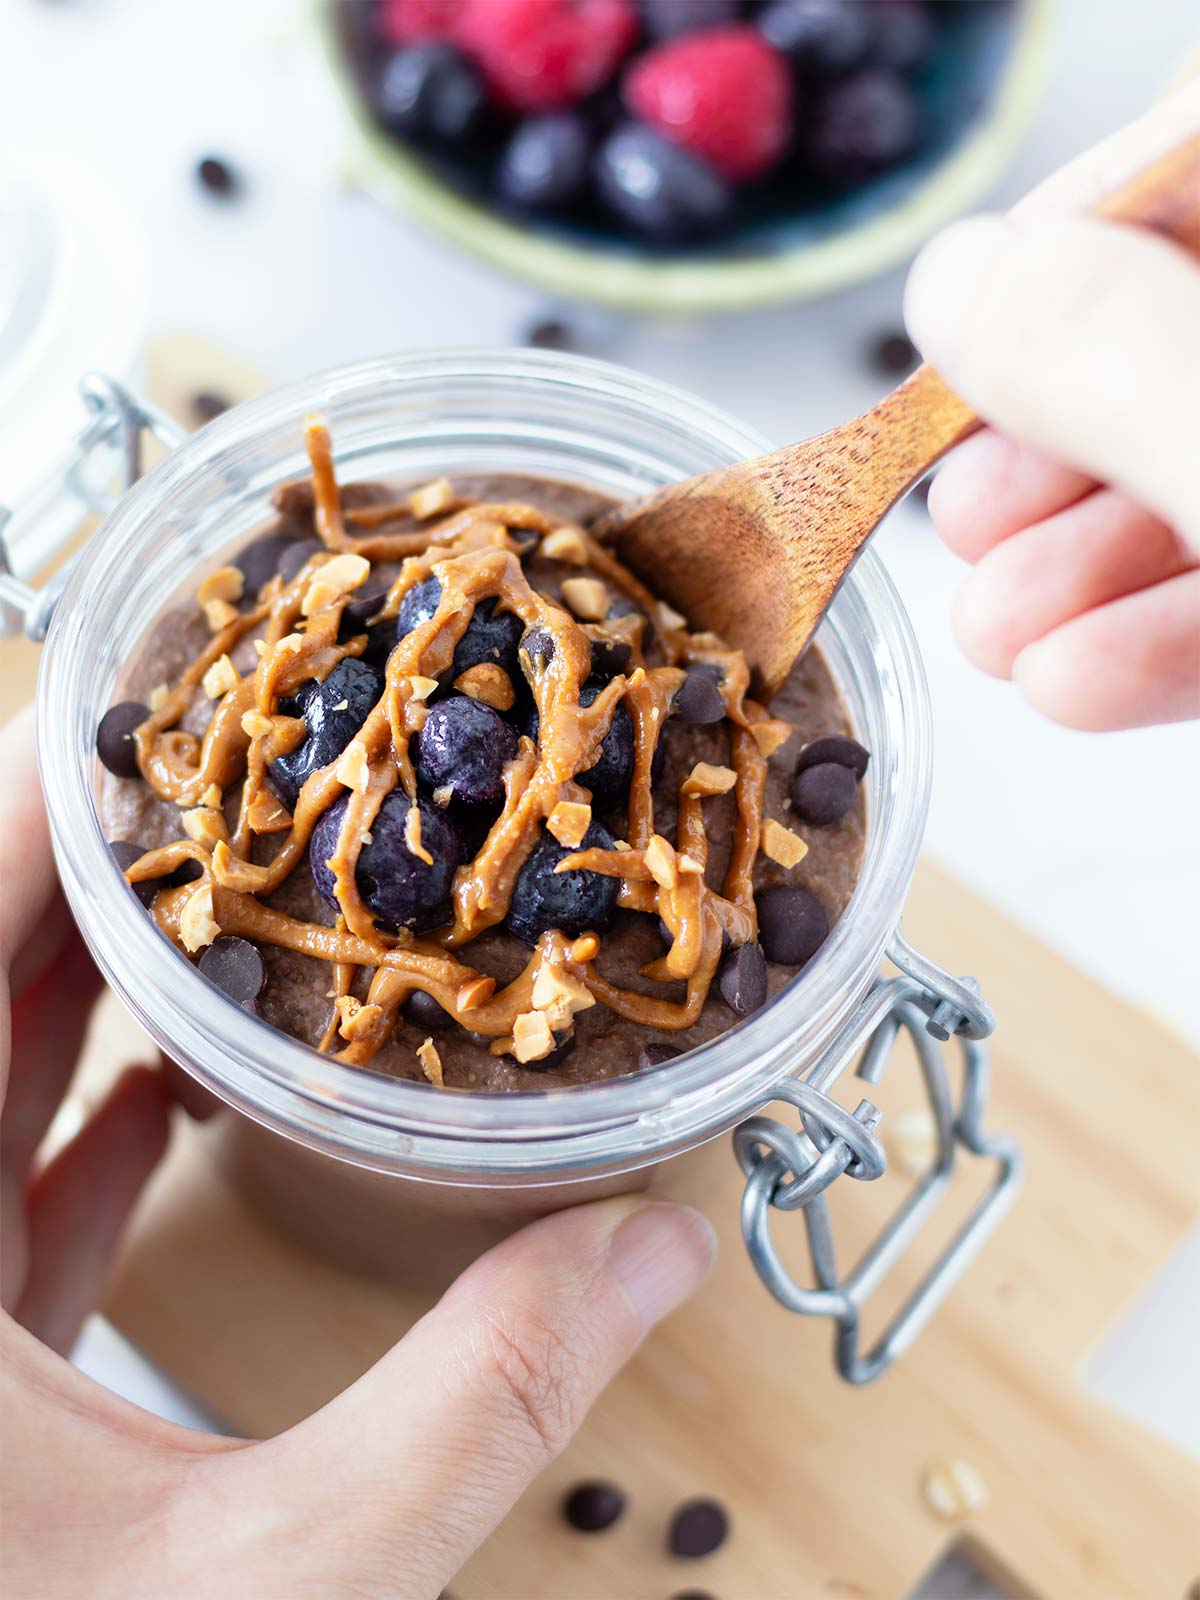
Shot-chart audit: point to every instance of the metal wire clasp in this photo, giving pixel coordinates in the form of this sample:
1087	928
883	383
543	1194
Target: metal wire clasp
790	1169
107	450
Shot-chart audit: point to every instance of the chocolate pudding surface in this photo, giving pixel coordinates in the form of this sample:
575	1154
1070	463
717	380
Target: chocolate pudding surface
298	994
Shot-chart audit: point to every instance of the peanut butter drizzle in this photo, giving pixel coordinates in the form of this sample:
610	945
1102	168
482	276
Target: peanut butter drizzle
474	557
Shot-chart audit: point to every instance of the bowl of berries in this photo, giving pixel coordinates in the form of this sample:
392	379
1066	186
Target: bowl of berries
684	155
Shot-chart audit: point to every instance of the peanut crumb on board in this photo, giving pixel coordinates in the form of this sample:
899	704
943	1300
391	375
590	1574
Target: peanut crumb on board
912	1142
954	1489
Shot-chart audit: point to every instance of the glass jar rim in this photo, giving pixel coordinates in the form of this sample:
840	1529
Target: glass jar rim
394	1124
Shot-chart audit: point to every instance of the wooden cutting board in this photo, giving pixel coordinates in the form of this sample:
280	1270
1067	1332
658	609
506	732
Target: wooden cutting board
734	1397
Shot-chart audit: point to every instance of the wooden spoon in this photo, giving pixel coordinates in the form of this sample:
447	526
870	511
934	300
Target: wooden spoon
755	552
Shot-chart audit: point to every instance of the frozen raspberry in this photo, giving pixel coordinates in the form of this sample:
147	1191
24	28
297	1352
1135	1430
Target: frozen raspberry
405	21
723	95
537	55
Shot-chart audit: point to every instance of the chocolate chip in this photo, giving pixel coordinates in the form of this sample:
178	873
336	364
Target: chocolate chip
835	747
549	334
363	606
536	648
295	555
252	1008
114	737
653	1055
742	979
236	967
693	1594
423	1011
564	1044
206	405
125	854
623	606
187	873
792	925
218	177
592	1507
258	562
698	698
698	1528
610	657
824	793
893	354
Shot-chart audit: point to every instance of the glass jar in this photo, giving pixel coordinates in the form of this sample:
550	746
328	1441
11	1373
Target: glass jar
338	1152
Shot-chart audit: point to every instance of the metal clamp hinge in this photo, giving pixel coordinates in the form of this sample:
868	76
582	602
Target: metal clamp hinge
47	518
791	1169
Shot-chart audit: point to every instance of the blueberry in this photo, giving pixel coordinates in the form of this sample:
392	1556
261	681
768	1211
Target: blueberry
465	745
334	710
667	19
574	902
491	635
545	164
904	35
608	779
822	38
402	890
861	127
661	191
428	91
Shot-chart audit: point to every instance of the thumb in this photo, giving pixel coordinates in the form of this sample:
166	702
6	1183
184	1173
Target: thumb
431	1448
1076	336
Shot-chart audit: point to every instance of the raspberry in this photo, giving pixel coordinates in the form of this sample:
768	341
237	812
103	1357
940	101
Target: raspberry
723	94
537	55
405	21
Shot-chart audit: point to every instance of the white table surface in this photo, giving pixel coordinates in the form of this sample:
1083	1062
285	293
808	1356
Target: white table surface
1091	842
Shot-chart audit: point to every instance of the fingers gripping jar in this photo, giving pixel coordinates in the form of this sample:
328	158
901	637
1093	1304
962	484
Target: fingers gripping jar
402	1176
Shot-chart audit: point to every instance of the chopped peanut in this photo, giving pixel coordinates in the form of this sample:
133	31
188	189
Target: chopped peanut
412	836
569	821
267	814
585	948
532	1037
554	986
781	844
565	544
220	678
431	498
421	688
770	735
475	993
690	865
443	794
431	1063
663	864
487	681
226	583
588	598
318	596
255	725
353	769
260	648
219	614
357	1020
158	696
706	779
204	825
211	796
670	617
197	925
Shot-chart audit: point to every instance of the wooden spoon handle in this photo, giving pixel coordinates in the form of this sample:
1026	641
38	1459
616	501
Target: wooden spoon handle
925	418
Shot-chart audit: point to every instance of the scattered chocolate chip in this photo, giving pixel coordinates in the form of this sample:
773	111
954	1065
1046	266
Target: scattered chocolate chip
206	405
698	698
836	747
653	1055
114	737
125	854
742	979
698	1528
792	925
218	177
894	354
295	555
610	657
592	1507
187	873
549	334
423	1011
236	967
824	793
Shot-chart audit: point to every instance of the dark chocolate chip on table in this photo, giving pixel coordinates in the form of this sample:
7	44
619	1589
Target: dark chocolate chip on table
837	747
698	698
549	334
206	405
592	1507
698	1528
218	177
792	925
894	354
114	737
693	1594
654	1055
236	967
742	979
824	793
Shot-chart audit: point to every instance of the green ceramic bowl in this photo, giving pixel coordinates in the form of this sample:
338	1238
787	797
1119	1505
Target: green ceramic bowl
980	96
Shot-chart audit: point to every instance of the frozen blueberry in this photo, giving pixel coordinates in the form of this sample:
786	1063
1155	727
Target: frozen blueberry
545	164
491	635
667	19
824	793
402	890
662	192
574	902
428	91
334	710
236	967
792	925
465	745
608	779
742	979
698	698
822	38
114	737
423	1011
862	126
904	35
837	747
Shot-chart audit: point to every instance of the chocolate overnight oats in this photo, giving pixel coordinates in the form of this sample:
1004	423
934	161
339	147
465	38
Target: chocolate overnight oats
428	780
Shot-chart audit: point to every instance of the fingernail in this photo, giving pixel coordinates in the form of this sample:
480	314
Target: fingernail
661	1255
942	292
